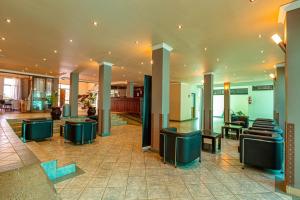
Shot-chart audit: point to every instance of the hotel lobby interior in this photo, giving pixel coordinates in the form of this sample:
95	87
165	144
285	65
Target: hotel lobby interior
158	100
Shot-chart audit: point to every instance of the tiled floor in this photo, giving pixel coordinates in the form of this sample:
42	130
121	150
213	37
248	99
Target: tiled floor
116	168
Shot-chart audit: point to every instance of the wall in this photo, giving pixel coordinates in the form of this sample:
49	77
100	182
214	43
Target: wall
262	104
181	101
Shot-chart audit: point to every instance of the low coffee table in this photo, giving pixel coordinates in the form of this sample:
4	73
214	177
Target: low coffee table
213	136
238	130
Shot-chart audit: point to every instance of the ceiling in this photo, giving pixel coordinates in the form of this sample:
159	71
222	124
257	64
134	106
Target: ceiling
229	37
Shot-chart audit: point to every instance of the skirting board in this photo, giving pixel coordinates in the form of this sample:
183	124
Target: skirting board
293	191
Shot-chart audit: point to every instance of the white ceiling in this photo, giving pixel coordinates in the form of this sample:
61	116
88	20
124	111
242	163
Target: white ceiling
229	29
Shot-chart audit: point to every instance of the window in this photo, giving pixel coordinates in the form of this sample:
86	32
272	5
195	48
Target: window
11	88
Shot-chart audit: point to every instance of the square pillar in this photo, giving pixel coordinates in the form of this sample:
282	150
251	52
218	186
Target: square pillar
208	101
104	116
279	95
160	91
227	117
130	89
292	71
74	84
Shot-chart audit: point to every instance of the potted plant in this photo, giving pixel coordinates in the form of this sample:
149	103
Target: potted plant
88	102
56	111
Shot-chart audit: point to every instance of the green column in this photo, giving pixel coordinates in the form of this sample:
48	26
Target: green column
130	89
104	116
160	91
279	95
74	81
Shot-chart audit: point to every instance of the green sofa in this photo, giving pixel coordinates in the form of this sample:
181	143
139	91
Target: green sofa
178	147
80	132
37	129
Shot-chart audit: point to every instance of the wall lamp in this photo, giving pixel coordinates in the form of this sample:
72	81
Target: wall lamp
277	39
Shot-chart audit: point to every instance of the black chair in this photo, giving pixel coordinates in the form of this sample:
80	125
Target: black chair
178	147
262	149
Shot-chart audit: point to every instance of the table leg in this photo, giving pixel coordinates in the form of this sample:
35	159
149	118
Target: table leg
219	143
222	131
213	150
237	134
226	132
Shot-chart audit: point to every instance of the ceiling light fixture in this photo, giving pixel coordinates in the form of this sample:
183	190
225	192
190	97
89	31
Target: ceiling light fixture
251	1
277	39
261	51
71	40
136	42
122	67
205	49
109	53
0	50
8	20
151	62
218	59
179	26
3	38
95	23
263	61
259	36
44	59
142	63
91	59
55	51
272	76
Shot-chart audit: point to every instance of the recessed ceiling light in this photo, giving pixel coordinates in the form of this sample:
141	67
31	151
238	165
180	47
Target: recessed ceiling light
142	63
95	23
151	62
202	81
140	72
251	1
36	65
218	59
44	59
3	38
71	40
55	51
226	67
91	59
184	65
276	38
50	72
109	53
136	42
179	26
122	67
272	76
8	20
0	50
123	75
261	51
205	49
259	36
263	61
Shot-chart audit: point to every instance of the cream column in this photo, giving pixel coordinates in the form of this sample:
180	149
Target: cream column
279	95
208	101
74	84
292	71
160	91
130	89
104	116
226	102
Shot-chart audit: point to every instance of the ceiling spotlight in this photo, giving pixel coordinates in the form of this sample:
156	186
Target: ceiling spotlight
36	65
251	1
0	50
55	51
263	61
50	72
184	65
140	72
122	67
123	75
142	63
91	59
261	51
44	59
71	40
179	26
202	81
272	76
218	59
8	20
136	42
95	23
3	38
259	36
151	62
205	49
109	53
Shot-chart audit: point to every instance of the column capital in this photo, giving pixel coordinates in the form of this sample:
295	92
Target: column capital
280	65
107	63
162	46
208	73
286	8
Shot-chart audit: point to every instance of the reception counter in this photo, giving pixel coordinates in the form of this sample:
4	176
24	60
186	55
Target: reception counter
123	104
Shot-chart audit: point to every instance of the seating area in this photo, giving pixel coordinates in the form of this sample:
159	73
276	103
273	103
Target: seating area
150	100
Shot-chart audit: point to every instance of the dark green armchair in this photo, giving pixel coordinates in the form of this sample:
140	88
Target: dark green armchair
80	132
178	147
37	129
